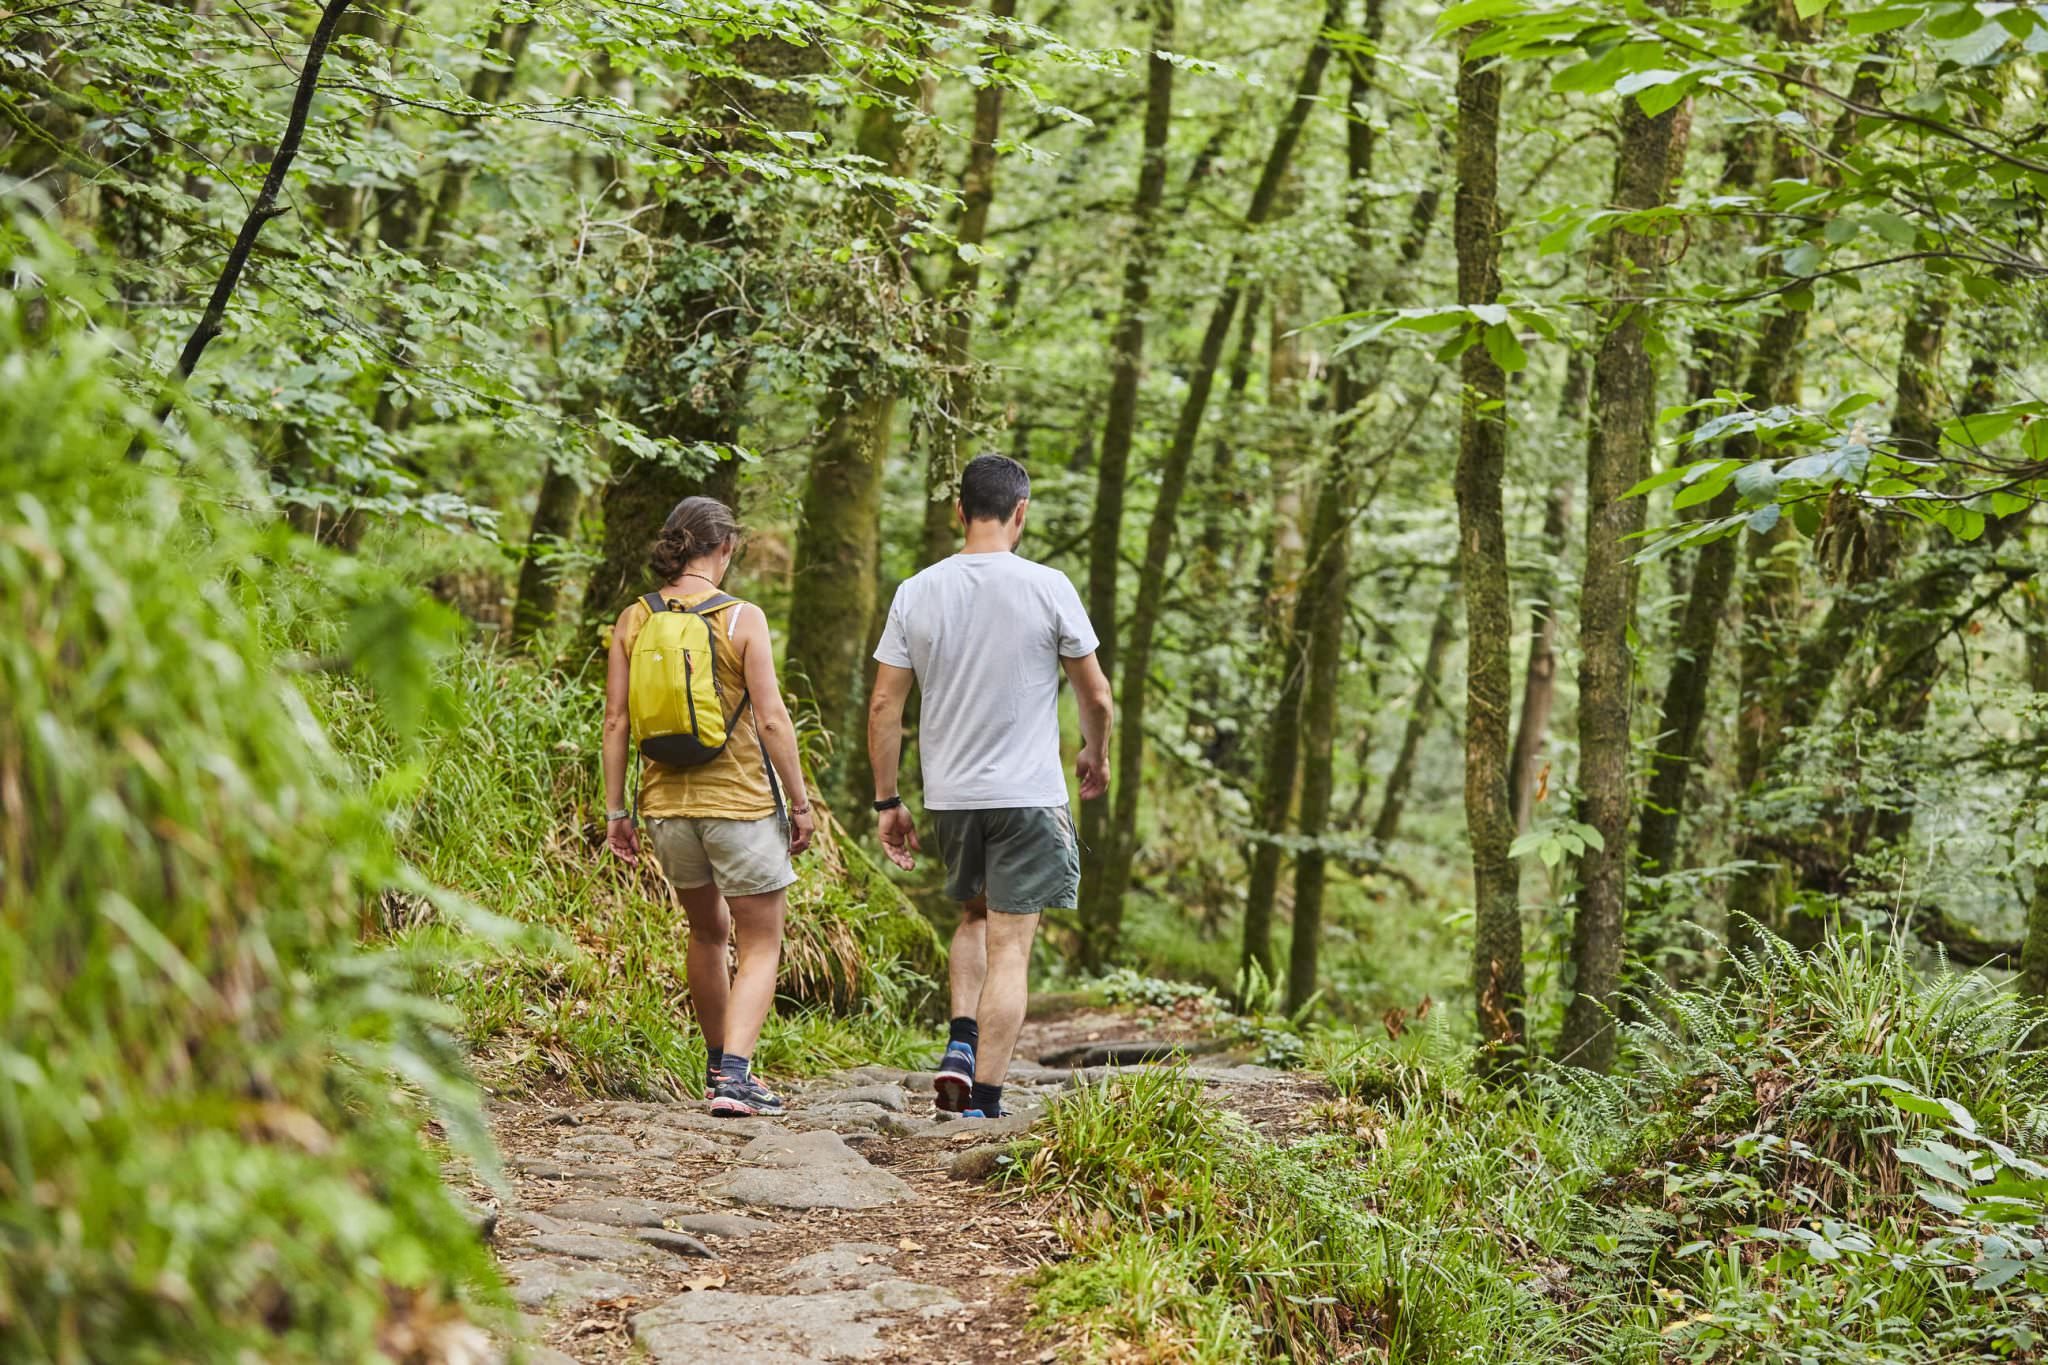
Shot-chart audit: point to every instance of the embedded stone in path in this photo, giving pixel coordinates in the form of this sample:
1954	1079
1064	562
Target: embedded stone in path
814	1170
681	1243
586	1246
732	1226
539	1284
783	1329
621	1212
890	1097
841	1264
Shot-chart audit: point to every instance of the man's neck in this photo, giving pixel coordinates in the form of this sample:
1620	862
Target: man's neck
986	538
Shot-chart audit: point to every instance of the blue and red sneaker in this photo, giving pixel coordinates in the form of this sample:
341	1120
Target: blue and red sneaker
956	1077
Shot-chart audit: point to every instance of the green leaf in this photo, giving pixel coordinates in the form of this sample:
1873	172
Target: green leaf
1867	22
1475	12
1505	348
1894	228
1763	519
1803	259
1808	8
1806	517
1855	402
1658	480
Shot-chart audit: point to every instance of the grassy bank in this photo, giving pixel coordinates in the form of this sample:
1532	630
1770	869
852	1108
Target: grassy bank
1834	1160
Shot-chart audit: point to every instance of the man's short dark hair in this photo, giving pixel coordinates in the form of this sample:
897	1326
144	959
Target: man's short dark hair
991	487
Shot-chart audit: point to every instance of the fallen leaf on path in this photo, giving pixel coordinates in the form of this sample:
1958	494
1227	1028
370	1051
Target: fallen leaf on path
907	1245
708	1279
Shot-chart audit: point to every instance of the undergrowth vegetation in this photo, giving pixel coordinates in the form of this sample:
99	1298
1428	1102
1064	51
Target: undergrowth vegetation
211	1099
591	992
1837	1157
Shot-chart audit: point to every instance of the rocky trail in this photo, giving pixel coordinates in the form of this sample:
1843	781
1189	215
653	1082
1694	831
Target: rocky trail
858	1226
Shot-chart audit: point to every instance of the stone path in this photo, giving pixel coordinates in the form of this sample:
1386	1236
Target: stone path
845	1231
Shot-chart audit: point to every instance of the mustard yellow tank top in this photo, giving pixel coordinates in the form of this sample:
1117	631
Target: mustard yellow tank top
733	786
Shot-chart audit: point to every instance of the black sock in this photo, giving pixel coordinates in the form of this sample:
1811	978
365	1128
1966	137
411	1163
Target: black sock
713	1057
964	1030
734	1068
987	1098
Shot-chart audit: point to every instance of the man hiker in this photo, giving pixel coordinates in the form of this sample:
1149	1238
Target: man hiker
985	635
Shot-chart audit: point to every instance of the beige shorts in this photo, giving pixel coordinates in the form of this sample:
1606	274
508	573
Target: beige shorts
739	857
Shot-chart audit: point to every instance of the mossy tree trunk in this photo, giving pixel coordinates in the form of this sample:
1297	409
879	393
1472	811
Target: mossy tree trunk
1112	469
1617	457
838	548
694	404
2034	950
1539	672
1497	979
554	526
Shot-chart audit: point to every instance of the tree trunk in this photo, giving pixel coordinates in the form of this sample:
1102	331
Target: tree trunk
1387	825
1322	618
488	86
669	396
838	548
1105	539
1483	554
2033	980
833	582
1104	908
554	525
1617	457
1539	676
963	286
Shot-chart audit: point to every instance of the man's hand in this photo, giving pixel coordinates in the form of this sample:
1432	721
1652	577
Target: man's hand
623	838
802	825
899	837
1093	770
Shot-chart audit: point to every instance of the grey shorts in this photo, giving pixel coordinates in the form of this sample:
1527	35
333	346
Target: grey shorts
1024	859
739	857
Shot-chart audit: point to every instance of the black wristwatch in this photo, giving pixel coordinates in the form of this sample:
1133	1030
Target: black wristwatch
891	804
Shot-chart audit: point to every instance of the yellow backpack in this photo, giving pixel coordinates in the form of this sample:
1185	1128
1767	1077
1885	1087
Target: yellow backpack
672	693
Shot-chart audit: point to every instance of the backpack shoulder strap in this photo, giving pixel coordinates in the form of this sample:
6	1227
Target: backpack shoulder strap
655	603
713	604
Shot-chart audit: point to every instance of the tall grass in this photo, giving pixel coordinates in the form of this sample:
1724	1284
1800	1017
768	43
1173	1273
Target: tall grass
205	1150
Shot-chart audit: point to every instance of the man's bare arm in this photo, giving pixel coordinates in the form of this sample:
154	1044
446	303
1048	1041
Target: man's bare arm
1091	694
885	757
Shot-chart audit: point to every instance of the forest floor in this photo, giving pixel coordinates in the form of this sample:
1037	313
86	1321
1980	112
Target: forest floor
860	1225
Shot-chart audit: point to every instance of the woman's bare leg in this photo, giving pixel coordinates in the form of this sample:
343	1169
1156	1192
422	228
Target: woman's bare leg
705	962
758	921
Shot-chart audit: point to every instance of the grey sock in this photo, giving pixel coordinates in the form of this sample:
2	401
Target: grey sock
735	1068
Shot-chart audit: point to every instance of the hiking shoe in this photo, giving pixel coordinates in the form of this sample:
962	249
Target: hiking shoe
956	1077
979	1114
745	1099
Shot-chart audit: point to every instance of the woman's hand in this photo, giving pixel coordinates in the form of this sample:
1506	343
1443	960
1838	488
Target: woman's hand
802	825
623	838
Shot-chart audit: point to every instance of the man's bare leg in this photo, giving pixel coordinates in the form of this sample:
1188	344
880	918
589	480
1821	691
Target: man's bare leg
1004	994
967	964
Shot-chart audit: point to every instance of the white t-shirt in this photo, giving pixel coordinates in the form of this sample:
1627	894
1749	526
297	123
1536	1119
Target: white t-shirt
985	634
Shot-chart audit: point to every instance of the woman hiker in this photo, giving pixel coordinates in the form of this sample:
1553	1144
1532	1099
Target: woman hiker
725	803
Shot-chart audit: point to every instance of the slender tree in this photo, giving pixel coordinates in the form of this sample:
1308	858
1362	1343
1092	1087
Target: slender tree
1443	628
962	289
1482	535
1617	457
